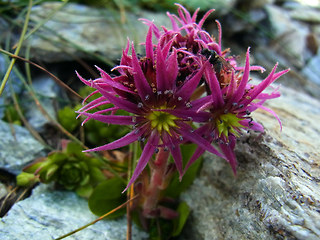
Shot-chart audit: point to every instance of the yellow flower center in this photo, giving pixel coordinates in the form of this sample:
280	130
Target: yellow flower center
162	120
227	123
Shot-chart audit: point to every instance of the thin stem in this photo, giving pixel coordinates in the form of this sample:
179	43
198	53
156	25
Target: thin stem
24	30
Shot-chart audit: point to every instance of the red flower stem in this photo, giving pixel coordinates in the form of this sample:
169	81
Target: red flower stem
157	180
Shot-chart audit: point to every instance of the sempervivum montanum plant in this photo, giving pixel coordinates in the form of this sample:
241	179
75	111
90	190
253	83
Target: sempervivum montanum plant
163	92
70	168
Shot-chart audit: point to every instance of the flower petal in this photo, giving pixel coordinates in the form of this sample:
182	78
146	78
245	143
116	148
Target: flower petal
187	132
113	119
120	102
189	87
140	80
121	142
146	154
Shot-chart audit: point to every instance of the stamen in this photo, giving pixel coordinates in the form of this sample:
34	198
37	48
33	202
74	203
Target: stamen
140	105
189	105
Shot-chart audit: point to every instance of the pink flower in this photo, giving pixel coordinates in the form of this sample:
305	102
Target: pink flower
160	106
232	100
164	91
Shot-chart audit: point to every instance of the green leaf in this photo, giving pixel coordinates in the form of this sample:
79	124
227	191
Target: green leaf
84	191
26	179
178	223
33	167
107	196
96	175
67	118
56	157
51	171
176	187
74	148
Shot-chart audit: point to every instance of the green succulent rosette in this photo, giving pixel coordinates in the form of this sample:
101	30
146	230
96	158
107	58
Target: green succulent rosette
72	169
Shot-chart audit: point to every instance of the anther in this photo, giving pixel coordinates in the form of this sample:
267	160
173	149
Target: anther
156	150
188	105
179	98
159	92
140	105
134	119
147	97
241	106
180	138
248	112
234	104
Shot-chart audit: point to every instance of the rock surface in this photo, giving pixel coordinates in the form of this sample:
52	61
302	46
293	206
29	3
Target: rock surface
78	31
17	147
48	92
49	214
276	193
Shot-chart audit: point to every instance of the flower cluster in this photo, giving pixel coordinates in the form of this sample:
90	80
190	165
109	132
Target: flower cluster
183	78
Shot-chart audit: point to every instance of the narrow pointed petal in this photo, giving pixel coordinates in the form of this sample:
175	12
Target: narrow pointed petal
241	88
146	154
264	84
203	19
199	151
140	80
121	103
189	87
214	85
273	113
149	45
177	157
172	69
194	15
86	82
121	142
103	73
183	13
227	149
162	83
113	119
188	114
187	132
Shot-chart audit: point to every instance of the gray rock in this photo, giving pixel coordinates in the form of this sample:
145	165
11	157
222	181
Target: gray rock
221	7
306	14
13	82
3	191
48	92
312	70
50	214
276	193
79	31
17	147
289	35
